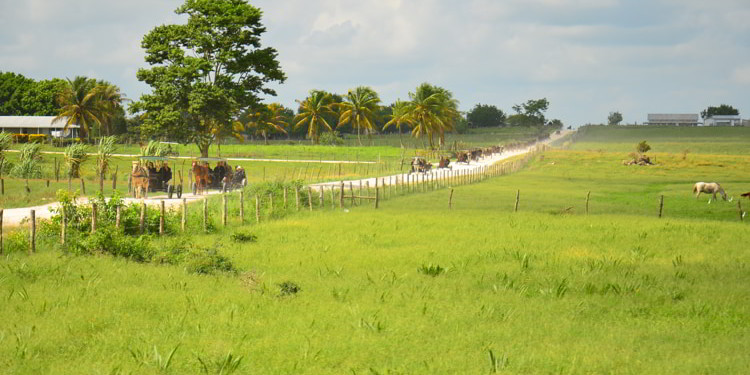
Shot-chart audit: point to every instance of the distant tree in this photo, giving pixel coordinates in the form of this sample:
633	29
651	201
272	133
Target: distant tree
614	118
270	119
642	147
531	113
79	105
720	110
206	72
433	110
359	108
312	113
12	90
110	101
556	124
483	115
399	116
21	96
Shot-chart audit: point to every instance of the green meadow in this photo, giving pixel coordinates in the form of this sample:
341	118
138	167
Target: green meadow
417	288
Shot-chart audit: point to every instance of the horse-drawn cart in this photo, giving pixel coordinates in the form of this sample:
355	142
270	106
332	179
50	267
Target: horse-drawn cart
222	177
153	174
420	165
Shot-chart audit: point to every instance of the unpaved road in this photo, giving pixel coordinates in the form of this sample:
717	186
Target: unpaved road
15	216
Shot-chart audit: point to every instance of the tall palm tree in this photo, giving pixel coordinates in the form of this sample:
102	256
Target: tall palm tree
218	133
110	103
79	105
269	119
433	111
359	107
312	112
399	116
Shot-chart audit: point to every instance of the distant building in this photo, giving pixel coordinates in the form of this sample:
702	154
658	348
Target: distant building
723	120
677	119
37	125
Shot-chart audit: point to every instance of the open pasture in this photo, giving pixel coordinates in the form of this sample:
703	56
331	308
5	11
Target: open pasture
417	288
671	139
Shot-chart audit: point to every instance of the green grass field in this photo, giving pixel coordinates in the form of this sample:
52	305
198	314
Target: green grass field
417	288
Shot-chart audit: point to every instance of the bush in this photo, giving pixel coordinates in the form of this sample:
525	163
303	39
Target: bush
207	261
643	147
331	139
20	138
288	288
37	138
29	163
108	240
17	241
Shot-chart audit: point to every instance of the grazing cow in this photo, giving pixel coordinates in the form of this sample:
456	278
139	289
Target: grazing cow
712	188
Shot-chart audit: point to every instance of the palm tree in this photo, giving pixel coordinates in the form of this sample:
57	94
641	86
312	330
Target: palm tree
268	120
79	105
433	110
399	116
359	107
312	112
219	132
110	101
104	157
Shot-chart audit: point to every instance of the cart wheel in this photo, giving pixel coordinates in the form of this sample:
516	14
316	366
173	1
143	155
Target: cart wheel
170	191
244	182
179	191
195	188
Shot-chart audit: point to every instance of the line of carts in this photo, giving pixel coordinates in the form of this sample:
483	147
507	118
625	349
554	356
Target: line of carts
156	174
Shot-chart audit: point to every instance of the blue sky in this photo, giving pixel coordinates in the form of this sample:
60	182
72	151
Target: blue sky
587	57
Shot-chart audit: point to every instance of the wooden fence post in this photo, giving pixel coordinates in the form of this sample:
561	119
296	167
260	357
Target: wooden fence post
184	214
63	226
161	218
284	198
242	206
587	202
223	209
2	186
118	215
309	197
83	187
93	217
450	200
205	214
142	223
1	231
341	198
270	204
114	178
661	205
32	239
257	208
296	196
518	198
351	192
377	196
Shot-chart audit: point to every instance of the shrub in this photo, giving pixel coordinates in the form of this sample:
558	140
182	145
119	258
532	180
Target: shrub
643	147
107	240
38	138
17	241
431	270
207	262
331	138
288	288
29	163
75	155
20	138
243	237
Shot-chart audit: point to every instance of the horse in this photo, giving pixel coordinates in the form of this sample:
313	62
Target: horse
202	177
140	181
709	188
444	162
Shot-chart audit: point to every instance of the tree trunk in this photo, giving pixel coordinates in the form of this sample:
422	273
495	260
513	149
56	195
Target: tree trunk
358	139
265	138
203	149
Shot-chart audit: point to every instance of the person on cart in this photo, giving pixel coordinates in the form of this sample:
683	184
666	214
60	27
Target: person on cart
238	177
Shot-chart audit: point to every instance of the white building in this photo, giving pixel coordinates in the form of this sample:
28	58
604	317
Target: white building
678	119
723	120
37	125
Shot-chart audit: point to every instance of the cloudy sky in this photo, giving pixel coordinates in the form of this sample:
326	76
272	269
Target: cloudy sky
587	57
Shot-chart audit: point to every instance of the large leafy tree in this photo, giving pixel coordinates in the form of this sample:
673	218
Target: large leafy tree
206	72
270	119
313	112
21	96
360	107
484	115
723	109
530	113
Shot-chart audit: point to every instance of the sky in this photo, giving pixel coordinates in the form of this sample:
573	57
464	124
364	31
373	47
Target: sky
587	57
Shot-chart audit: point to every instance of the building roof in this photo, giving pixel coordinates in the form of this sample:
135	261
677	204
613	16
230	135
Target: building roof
32	122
